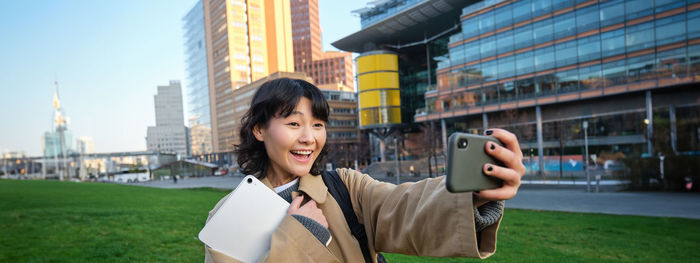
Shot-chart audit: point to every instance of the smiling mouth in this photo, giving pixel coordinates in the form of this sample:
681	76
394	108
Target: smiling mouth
301	154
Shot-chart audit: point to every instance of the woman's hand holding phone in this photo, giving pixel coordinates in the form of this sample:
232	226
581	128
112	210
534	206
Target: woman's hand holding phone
512	158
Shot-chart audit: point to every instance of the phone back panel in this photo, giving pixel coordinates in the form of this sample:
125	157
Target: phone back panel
465	165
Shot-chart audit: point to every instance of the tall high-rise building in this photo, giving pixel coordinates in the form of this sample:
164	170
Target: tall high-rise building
197	82
619	76
58	141
245	41
169	134
329	70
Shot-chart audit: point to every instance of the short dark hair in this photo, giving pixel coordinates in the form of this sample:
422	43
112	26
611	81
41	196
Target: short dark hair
275	98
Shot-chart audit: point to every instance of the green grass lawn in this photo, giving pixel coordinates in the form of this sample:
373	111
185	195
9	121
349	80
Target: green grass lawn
48	221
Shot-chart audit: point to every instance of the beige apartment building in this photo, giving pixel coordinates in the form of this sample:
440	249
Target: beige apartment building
246	41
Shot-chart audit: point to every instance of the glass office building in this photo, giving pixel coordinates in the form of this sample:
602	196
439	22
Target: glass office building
624	74
197	83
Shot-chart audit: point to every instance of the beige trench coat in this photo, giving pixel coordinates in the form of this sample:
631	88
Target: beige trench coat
419	218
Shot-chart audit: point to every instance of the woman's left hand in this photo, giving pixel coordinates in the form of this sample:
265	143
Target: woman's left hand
512	157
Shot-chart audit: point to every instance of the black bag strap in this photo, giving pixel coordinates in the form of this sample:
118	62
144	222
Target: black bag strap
339	191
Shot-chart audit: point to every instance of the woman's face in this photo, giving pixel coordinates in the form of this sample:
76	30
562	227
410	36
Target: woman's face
294	142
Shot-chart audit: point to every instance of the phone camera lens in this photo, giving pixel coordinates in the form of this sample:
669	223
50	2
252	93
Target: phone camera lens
462	143
250	181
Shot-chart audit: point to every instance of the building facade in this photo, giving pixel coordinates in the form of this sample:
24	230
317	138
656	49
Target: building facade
170	134
616	79
245	41
197	82
344	139
329	70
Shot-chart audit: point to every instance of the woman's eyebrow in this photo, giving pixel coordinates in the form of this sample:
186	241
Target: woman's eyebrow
296	113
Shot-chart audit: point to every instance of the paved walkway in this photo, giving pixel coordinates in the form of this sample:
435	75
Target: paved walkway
685	205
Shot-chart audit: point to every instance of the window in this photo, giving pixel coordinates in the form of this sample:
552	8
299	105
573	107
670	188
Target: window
615	73
473	75
457	55
665	5
564	25
693	21
506	67
640	68
541	7
638	8
524	63
546	84
640	36
490	94
521	11
505	41
523	37
587	18
490	70
507	91
671	63
486	22
471	51
470	27
590	77
561	4
589	48
544	58
542	31
612	12
504	16
568	80
566	53
670	30
526	88
613	42
488	46
694	59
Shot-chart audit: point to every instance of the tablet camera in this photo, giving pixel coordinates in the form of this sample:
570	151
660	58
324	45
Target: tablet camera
250	181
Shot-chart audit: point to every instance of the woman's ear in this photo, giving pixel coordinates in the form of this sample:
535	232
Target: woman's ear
258	132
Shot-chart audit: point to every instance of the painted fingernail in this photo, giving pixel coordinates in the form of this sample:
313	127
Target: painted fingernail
493	146
489	168
489	132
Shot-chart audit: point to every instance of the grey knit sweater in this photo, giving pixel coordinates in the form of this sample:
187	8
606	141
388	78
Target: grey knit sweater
484	216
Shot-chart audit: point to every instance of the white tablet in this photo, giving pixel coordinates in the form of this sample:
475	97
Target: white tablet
243	225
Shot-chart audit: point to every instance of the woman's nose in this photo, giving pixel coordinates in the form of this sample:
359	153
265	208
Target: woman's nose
306	136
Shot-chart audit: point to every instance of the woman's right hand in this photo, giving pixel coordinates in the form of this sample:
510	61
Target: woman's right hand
310	210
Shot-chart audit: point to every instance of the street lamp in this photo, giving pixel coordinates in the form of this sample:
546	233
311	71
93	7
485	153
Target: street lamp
585	143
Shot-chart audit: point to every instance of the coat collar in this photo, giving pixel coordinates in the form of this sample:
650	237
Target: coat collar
314	187
311	185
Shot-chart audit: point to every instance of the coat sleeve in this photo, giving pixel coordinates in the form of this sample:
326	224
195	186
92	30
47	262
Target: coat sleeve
291	242
420	218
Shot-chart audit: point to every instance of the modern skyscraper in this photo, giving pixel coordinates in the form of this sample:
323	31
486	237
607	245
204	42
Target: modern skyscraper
197	82
170	134
329	70
59	141
245	40
618	76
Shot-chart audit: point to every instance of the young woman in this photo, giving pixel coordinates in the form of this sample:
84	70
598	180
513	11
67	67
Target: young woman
283	143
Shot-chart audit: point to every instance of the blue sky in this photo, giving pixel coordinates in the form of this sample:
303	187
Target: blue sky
108	58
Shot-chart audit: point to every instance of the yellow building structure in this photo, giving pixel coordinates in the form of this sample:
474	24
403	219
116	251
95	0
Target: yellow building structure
246	41
378	85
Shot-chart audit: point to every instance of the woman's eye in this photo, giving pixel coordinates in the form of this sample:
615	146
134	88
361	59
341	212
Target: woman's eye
319	125
295	124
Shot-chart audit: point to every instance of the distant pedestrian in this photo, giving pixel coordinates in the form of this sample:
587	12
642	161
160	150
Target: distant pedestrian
175	179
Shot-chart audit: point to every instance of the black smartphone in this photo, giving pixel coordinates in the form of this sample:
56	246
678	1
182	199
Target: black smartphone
466	156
